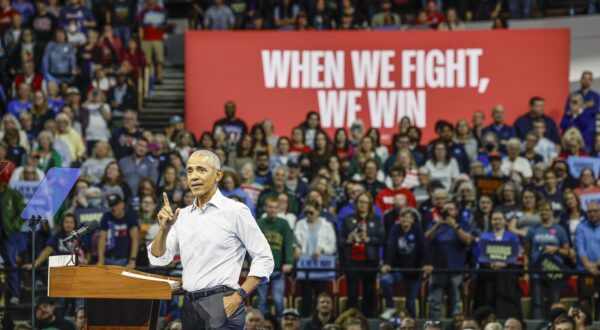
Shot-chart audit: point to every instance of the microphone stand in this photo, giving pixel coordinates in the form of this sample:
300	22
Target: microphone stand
33	223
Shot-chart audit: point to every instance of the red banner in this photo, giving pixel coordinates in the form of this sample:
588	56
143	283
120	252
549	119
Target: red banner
378	77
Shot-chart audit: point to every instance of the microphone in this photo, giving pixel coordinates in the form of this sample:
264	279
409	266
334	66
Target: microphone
88	228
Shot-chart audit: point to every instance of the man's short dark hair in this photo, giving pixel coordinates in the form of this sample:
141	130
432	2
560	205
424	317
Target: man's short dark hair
441	124
261	154
535	99
397	169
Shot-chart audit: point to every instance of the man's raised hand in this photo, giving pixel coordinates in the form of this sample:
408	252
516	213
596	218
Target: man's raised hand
166	217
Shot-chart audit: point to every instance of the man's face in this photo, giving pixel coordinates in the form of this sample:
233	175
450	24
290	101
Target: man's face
253	321
129	120
593	213
439	199
403	142
564	326
272	208
408	324
44	312
118	211
230	110
497	221
539	128
575	103
279	177
513	150
550	180
446	133
371	171
537	109
406	221
80	319
512	324
586	81
262	163
470	324
202	176
451	209
290	322
313	121
498	114
141	148
397	179
324	305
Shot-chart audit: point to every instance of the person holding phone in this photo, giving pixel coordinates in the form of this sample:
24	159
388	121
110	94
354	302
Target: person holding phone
449	237
361	236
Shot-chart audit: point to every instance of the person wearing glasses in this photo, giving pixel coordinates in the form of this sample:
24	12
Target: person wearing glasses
546	240
450	236
362	235
314	236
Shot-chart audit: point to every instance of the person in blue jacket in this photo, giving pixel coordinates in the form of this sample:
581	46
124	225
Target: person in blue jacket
591	98
582	118
524	124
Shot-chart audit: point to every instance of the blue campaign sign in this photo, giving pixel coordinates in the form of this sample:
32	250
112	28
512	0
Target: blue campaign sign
51	193
577	164
325	262
498	251
587	198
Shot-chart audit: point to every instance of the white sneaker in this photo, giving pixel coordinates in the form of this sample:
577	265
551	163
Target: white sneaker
14	301
388	313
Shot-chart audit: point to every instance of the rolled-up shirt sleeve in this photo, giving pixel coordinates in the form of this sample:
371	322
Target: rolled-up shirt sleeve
256	244
172	250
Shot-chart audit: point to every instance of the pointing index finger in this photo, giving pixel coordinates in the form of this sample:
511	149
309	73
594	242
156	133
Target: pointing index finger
166	203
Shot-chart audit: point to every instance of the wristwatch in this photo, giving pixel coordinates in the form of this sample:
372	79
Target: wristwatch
242	293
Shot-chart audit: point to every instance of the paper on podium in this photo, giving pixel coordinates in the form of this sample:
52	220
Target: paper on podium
175	285
60	261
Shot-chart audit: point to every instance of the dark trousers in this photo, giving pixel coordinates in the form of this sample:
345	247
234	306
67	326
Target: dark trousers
354	278
538	288
209	313
310	290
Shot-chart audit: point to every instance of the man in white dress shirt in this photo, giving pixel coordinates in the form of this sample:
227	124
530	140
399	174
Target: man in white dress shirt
212	236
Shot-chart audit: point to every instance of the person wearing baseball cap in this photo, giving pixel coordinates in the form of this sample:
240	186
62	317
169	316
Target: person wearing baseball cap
290	319
122	228
45	315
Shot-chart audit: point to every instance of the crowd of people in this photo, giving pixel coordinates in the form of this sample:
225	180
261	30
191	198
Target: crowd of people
408	214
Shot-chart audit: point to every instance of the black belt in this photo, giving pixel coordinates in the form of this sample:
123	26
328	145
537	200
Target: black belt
195	295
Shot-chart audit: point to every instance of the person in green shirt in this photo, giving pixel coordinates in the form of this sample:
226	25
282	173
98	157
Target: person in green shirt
281	239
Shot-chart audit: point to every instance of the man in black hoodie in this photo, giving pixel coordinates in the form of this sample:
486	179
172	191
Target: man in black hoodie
406	248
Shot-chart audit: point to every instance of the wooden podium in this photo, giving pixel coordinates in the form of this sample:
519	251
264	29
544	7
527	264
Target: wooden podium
112	300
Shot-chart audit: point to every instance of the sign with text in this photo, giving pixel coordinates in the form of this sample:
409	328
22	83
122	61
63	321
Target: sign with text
378	77
577	164
26	188
488	185
325	262
498	251
587	198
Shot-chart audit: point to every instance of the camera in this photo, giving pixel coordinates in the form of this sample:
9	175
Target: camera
444	214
